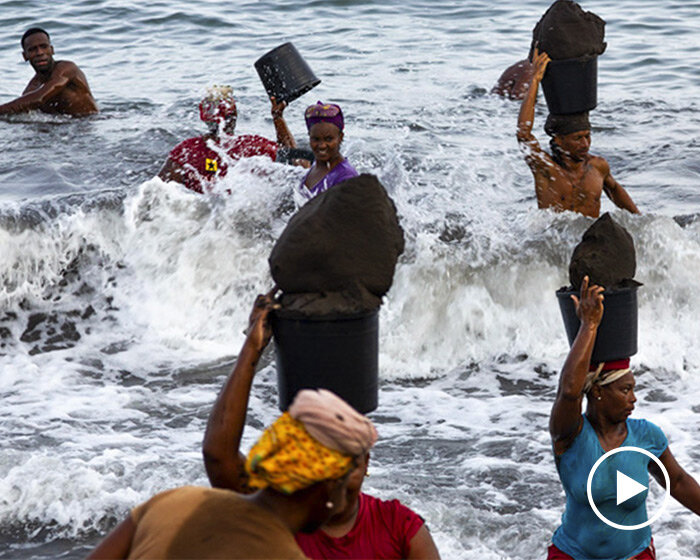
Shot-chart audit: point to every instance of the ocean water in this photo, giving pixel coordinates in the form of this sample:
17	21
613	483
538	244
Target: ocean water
123	299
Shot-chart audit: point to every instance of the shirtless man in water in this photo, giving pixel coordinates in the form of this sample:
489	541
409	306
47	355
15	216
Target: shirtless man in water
570	178
58	86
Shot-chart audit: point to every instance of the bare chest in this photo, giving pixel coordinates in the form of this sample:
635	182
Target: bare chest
578	189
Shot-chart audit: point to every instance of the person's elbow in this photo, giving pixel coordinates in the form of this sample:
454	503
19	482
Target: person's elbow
523	136
569	391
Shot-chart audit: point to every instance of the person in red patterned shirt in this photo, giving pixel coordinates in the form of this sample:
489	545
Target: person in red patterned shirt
197	162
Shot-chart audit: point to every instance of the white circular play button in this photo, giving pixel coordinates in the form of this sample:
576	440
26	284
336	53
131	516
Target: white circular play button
627	488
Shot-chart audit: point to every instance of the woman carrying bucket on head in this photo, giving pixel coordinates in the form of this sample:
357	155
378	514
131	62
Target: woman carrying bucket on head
325	124
580	440
366	527
299	469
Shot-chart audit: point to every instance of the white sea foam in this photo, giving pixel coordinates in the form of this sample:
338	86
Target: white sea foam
123	299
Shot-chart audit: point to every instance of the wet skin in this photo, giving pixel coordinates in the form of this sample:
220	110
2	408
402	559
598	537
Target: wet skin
575	179
57	87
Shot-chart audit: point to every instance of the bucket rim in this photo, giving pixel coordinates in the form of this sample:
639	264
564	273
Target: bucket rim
335	318
288	44
567	291
585	59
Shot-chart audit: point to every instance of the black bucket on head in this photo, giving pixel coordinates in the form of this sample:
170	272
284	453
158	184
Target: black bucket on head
341	355
617	333
571	85
285	74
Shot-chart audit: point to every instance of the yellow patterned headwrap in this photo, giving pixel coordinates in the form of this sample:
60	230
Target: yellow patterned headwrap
286	458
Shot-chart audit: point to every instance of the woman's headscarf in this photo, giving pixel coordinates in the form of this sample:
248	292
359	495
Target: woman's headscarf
324	112
605	373
317	439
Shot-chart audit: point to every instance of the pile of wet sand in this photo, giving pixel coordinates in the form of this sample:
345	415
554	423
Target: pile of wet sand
606	255
337	255
567	31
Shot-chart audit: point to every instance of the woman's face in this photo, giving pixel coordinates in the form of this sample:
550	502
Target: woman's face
334	494
325	139
617	398
352	490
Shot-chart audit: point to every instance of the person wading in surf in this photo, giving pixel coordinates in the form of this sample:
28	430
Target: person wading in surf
58	86
366	527
570	178
200	161
580	438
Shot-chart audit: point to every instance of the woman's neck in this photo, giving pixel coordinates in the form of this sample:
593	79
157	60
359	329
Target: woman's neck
341	524
327	166
610	434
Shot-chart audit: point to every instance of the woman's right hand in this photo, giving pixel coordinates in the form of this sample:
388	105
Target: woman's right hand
259	330
540	60
589	309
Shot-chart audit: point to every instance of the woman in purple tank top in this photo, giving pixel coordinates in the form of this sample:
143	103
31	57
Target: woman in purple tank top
325	124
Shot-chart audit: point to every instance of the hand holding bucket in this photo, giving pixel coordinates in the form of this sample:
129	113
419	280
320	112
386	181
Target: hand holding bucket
285	74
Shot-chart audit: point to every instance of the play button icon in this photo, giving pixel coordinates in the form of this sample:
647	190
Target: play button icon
627	487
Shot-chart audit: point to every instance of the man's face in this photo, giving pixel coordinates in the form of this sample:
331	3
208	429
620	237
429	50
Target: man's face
576	144
39	52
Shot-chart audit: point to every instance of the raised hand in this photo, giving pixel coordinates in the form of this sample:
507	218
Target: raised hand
540	60
589	308
259	330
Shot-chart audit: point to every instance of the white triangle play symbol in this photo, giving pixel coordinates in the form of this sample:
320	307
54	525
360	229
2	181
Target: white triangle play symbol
627	488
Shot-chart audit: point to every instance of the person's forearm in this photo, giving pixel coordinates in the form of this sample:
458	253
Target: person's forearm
624	201
687	492
284	136
573	374
226	422
20	105
526	116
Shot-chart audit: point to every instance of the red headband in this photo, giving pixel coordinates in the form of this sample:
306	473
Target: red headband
615	364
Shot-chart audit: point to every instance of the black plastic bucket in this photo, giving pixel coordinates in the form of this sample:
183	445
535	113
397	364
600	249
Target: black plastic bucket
341	355
285	74
571	85
617	333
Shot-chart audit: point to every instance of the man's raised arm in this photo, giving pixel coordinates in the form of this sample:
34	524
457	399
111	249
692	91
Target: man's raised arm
526	117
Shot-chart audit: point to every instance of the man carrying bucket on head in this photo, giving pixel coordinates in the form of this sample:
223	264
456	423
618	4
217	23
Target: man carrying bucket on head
570	178
197	162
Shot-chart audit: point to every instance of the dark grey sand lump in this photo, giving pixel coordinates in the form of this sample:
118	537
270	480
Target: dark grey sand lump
606	254
567	31
337	255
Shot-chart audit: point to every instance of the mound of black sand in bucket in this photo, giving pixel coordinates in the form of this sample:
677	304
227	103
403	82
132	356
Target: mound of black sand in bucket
606	254
337	255
567	31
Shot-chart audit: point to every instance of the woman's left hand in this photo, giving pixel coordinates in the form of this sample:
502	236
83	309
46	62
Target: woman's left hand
277	107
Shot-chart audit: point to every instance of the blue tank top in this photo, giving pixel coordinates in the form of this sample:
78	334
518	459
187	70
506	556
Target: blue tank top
582	534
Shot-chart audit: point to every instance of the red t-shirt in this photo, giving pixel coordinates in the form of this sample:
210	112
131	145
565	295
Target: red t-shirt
201	164
382	530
